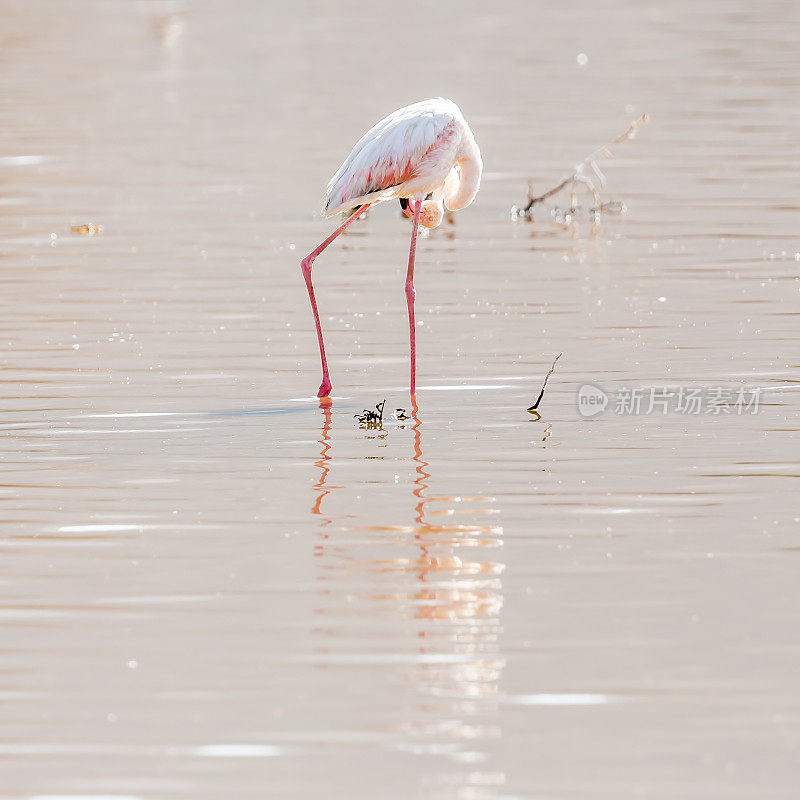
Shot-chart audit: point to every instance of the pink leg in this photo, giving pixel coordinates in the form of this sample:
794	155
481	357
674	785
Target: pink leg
411	295
307	263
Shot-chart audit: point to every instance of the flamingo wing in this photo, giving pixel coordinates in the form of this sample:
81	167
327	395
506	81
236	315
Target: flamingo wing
417	139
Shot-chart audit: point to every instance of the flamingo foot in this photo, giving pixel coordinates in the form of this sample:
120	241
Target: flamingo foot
325	387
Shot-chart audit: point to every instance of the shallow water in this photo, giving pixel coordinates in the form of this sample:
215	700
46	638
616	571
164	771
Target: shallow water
213	588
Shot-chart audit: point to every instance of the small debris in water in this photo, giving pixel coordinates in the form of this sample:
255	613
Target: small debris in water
89	229
532	409
400	415
372	418
585	175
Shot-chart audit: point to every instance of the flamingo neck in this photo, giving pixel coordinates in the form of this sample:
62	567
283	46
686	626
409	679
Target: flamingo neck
470	163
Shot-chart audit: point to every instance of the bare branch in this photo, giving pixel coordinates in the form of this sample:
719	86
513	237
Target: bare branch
535	406
585	174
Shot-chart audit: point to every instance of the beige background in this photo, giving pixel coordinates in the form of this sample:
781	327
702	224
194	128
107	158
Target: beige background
212	589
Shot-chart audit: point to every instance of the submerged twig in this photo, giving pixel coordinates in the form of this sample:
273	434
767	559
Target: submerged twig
87	229
533	408
585	175
372	418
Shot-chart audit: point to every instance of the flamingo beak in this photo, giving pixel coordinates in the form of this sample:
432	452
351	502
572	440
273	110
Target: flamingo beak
404	204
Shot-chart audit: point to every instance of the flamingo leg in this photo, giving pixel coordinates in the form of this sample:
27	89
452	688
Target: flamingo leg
411	296
307	263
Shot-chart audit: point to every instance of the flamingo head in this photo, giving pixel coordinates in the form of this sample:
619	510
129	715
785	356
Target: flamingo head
432	213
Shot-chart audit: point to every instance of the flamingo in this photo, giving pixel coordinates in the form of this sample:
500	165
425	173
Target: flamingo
423	155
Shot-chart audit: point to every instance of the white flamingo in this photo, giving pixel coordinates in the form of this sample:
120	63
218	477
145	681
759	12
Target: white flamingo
423	155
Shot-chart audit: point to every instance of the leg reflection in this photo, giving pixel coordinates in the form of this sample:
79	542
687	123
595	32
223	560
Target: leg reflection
323	464
421	598
465	592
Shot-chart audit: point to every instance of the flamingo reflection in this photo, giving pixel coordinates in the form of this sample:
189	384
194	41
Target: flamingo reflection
455	598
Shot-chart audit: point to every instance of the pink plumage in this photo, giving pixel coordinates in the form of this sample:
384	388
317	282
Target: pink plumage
411	151
424	153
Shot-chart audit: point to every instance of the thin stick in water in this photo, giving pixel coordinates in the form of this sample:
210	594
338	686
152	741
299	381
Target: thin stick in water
533	408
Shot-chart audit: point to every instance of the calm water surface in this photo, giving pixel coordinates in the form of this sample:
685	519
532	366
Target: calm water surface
213	588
